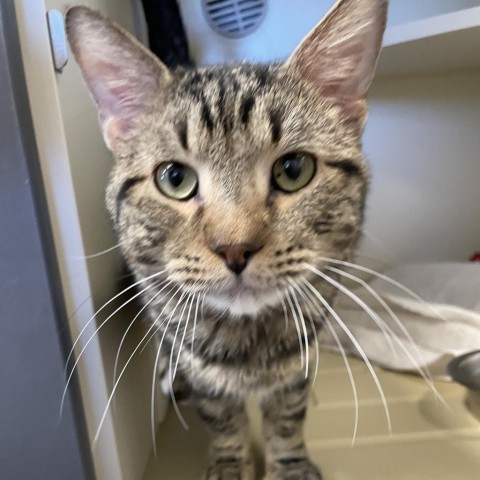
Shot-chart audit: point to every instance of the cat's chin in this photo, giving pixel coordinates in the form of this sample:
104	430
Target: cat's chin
241	302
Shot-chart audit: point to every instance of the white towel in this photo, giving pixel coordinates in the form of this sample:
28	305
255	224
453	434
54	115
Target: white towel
446	325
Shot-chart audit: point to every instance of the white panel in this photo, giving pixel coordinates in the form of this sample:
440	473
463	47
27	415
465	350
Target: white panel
441	44
423	143
90	164
422	140
285	24
75	166
404	11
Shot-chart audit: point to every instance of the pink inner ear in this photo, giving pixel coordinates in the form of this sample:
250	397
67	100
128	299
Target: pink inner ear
356	111
111	88
105	69
123	77
339	55
115	129
122	95
347	73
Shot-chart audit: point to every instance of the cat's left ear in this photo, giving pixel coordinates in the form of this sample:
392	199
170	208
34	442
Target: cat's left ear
340	54
123	77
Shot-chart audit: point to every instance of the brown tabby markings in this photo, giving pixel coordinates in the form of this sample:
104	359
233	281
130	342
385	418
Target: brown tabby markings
230	124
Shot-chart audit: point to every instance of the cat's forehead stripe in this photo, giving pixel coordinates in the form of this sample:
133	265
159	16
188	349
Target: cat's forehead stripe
226	95
275	117
123	192
182	132
248	102
207	114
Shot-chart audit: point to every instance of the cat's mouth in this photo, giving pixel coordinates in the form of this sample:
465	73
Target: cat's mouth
241	290
243	299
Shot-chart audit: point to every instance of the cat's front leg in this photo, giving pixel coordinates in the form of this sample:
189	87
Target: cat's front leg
283	419
227	422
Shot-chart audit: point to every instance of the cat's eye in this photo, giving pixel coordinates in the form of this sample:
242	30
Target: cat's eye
176	180
293	171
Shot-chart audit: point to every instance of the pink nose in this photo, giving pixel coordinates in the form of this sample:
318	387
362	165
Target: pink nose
236	256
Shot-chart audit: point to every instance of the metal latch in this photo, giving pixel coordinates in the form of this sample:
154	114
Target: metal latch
58	39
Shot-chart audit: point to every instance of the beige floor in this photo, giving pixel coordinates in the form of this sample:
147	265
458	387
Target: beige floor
428	440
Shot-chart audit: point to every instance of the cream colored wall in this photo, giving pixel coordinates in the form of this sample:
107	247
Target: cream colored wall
403	11
89	159
75	165
423	144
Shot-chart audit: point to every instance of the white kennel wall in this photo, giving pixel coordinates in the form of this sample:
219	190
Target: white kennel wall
286	23
423	145
404	11
422	141
422	138
75	165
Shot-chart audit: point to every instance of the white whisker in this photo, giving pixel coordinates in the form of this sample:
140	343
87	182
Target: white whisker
190	296
194	328
354	341
332	331
183	336
380	300
424	372
92	337
304	328
314	328
373	315
202	308
297	326
98	254
117	357
126	365
152	335
155	367
285	312
388	280
171	377
102	307
350	376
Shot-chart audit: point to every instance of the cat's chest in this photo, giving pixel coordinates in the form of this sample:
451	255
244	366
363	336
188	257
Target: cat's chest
252	343
245	356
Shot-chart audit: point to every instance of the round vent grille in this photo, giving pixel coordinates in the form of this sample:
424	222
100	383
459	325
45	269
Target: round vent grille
234	18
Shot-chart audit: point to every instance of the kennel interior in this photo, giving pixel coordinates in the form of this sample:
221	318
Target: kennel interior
422	141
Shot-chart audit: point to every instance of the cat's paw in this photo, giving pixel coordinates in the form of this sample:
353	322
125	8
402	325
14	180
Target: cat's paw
230	469
293	469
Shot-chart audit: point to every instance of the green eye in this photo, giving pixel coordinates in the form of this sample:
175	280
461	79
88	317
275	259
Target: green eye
176	180
293	171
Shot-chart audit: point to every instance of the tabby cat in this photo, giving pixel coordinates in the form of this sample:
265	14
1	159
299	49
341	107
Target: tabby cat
232	186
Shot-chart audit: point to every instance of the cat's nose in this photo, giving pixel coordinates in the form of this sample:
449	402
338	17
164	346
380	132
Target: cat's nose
236	256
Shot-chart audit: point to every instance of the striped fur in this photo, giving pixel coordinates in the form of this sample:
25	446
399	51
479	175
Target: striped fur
233	337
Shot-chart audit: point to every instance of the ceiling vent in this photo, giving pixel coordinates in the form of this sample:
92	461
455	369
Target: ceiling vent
234	18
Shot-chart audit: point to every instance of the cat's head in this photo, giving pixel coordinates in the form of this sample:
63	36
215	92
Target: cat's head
231	178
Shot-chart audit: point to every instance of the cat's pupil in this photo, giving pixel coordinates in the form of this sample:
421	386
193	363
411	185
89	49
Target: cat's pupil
176	175
293	168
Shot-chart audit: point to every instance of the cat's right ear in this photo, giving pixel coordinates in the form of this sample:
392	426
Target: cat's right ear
123	77
340	54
